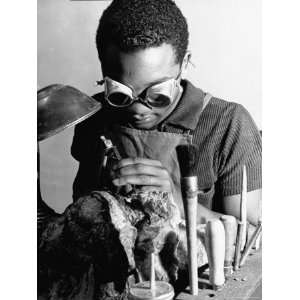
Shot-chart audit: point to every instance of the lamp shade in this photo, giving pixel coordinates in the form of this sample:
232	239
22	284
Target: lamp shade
62	106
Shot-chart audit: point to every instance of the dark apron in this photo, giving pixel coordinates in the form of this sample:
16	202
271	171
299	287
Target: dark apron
156	145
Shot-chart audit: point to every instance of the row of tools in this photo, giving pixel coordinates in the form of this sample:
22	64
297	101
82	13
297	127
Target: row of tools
226	248
227	243
225	238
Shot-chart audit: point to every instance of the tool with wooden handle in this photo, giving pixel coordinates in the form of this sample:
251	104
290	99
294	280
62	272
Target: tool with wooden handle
230	227
251	243
152	275
257	243
238	244
215	248
151	290
243	209
112	153
242	223
187	158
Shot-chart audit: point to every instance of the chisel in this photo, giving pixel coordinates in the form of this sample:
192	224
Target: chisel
251	243
243	209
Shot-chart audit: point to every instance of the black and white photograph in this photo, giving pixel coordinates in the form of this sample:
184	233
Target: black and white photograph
143	144
149	150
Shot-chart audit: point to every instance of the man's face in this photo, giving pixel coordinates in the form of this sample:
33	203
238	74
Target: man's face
140	70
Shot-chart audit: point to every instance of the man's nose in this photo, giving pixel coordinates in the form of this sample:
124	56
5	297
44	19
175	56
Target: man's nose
139	108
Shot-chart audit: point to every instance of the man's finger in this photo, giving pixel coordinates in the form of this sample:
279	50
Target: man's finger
159	183
138	160
141	169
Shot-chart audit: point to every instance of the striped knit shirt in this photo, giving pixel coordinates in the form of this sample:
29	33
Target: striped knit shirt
224	132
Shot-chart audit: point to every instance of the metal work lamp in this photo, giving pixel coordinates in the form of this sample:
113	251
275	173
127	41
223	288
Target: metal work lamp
58	107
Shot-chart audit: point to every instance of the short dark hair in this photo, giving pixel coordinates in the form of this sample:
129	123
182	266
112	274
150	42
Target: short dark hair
138	24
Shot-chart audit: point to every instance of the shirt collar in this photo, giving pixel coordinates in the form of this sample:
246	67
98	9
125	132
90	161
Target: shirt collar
187	112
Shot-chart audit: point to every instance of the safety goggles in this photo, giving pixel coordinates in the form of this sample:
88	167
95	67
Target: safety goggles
158	95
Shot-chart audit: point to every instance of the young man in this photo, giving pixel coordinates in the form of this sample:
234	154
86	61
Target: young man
148	109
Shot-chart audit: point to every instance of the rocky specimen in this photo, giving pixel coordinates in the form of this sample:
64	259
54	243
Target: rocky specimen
102	243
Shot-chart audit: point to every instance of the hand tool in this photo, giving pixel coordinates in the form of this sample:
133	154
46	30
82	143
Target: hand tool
215	248
251	243
237	253
187	158
230	227
242	223
243	209
151	290
256	245
112	153
152	275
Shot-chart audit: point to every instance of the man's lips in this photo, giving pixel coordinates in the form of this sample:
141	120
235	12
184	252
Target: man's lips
141	118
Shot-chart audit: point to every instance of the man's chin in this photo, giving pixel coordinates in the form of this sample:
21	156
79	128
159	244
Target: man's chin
142	125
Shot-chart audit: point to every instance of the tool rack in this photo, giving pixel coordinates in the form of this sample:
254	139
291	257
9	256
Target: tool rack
243	284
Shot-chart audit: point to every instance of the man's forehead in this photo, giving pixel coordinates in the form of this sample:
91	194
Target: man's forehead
141	68
150	55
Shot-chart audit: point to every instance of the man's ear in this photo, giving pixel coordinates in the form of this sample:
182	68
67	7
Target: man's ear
185	63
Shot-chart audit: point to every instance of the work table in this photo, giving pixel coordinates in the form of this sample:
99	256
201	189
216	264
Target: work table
243	284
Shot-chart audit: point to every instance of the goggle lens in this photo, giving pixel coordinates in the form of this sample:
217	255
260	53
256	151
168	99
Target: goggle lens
158	100
119	99
160	95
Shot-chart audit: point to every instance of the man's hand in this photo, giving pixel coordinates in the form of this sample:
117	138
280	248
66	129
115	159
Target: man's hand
147	173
